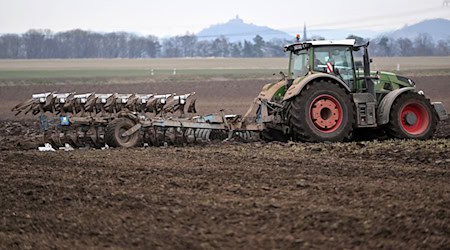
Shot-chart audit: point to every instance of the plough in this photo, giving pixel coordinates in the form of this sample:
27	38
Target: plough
127	120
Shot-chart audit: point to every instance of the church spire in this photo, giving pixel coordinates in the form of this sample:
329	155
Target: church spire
305	37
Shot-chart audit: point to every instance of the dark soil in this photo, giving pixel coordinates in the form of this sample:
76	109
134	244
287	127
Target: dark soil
391	194
366	194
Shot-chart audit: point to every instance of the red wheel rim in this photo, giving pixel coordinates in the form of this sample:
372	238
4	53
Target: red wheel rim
326	113
414	118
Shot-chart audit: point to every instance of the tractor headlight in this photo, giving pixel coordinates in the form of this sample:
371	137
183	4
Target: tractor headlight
406	81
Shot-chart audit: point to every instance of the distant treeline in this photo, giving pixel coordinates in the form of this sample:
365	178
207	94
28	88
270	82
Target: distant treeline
86	44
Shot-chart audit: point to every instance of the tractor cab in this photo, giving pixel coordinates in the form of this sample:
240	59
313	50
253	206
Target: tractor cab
329	57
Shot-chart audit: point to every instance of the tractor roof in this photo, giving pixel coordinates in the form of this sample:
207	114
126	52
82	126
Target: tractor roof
307	44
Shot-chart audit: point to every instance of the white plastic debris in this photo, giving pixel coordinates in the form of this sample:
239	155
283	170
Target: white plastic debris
46	148
66	147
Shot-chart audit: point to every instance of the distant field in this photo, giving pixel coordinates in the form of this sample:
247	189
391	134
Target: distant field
414	65
144	64
128	70
124	70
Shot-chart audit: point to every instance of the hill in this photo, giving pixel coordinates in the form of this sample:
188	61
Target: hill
237	30
336	34
439	29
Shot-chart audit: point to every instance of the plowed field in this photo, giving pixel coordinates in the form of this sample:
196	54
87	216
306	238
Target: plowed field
369	194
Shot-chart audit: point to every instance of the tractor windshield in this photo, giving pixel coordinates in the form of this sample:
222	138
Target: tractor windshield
339	57
299	63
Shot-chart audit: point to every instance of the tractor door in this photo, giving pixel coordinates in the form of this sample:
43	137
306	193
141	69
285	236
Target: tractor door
337	60
299	62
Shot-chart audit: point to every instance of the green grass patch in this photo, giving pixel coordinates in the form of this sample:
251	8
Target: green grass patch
14	77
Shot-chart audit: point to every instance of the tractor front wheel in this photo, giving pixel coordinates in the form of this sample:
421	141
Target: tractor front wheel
412	117
323	111
114	134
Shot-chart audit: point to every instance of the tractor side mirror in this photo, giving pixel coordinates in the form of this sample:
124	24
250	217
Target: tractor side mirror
358	64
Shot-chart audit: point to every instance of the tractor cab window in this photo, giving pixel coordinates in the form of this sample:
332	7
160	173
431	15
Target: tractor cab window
335	60
299	63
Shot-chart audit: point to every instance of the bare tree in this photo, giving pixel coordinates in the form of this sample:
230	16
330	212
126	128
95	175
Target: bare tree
34	43
423	45
10	46
220	47
442	48
406	47
187	44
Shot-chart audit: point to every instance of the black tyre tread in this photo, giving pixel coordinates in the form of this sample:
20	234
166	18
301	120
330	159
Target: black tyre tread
297	105
270	135
110	134
393	127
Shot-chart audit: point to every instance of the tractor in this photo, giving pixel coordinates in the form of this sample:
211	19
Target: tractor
329	96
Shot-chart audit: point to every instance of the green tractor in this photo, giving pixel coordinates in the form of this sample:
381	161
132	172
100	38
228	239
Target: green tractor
328	96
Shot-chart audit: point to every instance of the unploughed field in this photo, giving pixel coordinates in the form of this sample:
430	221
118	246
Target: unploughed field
365	194
101	71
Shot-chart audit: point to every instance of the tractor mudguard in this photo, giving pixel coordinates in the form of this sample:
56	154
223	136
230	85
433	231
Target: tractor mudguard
384	108
440	110
295	89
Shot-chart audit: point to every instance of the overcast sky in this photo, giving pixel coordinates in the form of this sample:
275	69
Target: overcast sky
175	17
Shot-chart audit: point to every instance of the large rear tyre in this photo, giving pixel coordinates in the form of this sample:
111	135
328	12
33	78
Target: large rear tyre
323	111
412	117
114	131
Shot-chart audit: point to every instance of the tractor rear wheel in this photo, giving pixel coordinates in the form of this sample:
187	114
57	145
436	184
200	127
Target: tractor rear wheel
412	117
323	111
114	131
